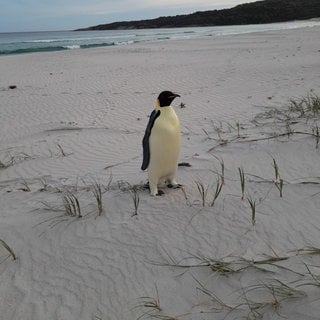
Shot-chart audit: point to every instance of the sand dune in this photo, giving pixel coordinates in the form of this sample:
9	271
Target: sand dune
77	119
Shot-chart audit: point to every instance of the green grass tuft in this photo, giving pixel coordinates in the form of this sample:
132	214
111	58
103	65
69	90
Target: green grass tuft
217	191
253	205
242	182
8	248
71	205
134	191
202	191
96	190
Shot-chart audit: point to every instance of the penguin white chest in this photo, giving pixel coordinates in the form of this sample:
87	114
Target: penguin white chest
165	144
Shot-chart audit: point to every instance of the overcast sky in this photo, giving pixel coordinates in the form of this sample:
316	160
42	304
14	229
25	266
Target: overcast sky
44	15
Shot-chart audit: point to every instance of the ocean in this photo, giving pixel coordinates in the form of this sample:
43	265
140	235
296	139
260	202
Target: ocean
26	42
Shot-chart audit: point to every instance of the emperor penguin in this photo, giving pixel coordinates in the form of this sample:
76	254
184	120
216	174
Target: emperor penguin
161	144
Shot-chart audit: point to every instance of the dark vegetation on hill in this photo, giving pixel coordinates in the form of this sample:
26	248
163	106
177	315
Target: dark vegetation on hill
267	11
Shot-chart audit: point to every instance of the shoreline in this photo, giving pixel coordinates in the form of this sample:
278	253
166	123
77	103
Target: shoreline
24	43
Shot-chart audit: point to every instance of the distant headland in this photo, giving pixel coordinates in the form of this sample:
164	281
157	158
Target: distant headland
267	11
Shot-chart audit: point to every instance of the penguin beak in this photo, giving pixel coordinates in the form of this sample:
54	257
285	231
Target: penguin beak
174	95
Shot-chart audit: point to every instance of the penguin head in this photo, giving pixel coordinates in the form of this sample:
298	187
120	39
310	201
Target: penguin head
165	98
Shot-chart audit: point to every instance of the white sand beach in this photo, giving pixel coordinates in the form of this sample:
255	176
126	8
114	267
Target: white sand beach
76	120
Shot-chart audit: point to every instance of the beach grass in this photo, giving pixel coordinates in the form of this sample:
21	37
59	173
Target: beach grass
61	150
311	250
71	204
278	181
277	293
253	204
134	192
305	106
151	308
25	186
8	249
217	191
314	279
276	171
221	173
218	305
149	305
97	193
242	182
203	191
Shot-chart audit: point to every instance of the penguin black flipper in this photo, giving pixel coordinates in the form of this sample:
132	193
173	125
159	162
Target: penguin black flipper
145	142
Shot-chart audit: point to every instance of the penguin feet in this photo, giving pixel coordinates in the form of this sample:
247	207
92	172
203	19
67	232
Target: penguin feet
154	191
160	193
